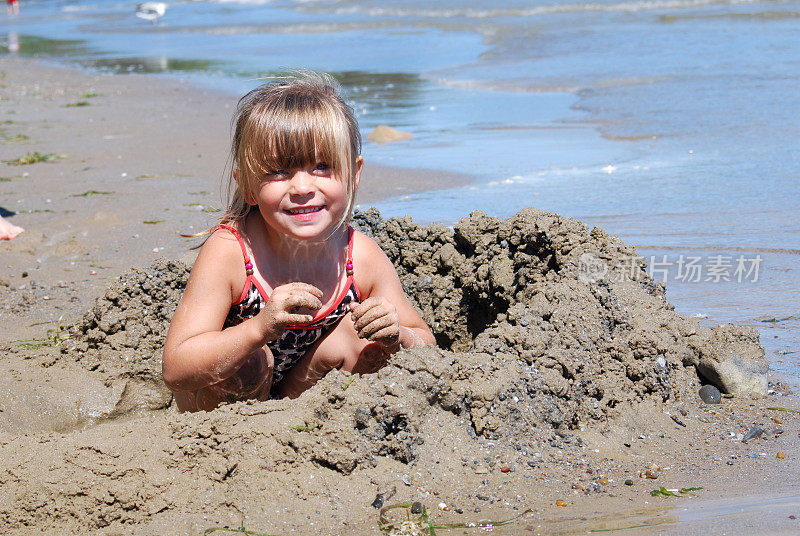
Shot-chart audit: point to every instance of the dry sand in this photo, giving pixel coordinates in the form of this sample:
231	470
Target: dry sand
550	391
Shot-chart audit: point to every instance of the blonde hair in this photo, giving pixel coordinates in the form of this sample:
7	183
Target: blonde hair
298	120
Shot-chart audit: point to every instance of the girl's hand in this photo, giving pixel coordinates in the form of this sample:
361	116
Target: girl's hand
289	304
376	319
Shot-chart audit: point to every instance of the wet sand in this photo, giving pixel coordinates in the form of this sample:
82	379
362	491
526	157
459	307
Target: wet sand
140	164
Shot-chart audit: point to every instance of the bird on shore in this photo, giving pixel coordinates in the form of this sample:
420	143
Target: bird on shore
151	11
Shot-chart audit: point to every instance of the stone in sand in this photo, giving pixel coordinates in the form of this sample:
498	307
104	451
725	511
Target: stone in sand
733	360
710	394
387	134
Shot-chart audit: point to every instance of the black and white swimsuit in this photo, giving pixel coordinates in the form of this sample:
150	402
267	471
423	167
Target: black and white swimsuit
297	339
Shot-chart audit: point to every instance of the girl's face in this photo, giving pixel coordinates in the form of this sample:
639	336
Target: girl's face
305	203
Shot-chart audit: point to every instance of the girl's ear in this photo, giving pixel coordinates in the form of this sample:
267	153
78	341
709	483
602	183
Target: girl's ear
359	167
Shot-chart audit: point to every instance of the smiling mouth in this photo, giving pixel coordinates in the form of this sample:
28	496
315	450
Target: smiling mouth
304	210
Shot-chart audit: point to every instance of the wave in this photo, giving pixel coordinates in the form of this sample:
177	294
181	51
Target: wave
80	8
625	6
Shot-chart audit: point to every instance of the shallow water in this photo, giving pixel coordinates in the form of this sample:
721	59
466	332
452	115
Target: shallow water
682	517
671	123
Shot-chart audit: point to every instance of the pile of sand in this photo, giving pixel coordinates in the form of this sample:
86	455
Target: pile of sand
546	328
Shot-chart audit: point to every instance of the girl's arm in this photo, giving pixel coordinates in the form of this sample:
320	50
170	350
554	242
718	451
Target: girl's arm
384	315
197	351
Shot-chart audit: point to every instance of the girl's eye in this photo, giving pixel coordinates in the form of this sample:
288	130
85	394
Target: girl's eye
278	174
323	167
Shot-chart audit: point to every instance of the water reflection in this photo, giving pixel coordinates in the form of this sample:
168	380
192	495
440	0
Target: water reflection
13	42
156	64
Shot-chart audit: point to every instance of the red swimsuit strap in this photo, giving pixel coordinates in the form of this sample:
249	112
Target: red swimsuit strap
248	265
238	237
350	233
350	282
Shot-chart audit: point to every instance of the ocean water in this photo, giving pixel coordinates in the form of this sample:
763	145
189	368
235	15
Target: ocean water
674	124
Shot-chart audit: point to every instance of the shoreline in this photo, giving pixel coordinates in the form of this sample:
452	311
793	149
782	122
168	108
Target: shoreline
129	182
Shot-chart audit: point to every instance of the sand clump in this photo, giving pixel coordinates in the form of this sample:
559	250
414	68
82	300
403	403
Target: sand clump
537	347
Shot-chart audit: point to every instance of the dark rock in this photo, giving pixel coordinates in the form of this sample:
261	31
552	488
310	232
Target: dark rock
710	394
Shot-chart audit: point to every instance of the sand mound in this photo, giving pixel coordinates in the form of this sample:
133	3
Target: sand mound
546	329
548	321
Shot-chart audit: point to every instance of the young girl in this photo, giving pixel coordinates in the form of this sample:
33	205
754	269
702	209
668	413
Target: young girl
284	290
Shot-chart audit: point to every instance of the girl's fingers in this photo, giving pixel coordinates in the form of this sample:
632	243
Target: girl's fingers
370	310
358	309
295	318
388	334
305	287
369	330
302	299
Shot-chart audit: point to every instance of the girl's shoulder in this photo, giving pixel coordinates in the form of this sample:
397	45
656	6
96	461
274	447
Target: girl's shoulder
221	259
224	239
365	248
371	265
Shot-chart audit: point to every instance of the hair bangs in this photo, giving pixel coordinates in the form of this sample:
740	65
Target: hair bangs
294	137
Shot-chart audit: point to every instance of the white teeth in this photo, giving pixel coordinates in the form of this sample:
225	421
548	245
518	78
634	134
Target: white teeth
305	210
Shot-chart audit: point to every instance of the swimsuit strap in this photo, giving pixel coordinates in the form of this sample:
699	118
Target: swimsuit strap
349	265
248	264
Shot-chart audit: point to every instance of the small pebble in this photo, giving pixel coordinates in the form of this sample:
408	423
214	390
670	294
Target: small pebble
378	502
710	394
481	470
792	517
729	462
531	464
677	421
650	474
561	503
406	480
629	482
416	508
780	455
505	469
443	507
753	455
753	433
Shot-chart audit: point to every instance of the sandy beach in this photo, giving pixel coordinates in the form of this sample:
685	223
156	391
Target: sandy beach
91	443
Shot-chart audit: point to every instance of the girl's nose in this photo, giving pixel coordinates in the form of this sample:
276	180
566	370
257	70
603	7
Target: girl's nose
302	183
